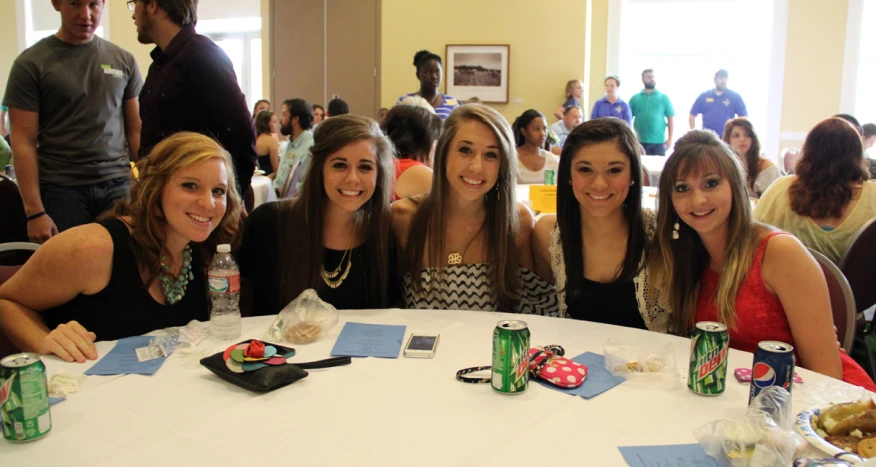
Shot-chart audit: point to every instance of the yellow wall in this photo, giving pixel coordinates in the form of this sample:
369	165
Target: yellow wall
813	64
541	61
123	33
8	45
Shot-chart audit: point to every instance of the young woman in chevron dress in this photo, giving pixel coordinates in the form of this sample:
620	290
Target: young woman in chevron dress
466	244
594	248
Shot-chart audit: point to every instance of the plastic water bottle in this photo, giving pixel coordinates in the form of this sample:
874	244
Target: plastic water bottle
224	279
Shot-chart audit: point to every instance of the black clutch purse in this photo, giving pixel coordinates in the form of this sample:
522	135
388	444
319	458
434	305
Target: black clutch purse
271	377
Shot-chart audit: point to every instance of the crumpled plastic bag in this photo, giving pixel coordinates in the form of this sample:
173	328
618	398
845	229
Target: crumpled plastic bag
640	366
185	339
303	320
761	438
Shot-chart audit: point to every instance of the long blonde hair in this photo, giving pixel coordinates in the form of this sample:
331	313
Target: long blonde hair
501	221
679	265
147	219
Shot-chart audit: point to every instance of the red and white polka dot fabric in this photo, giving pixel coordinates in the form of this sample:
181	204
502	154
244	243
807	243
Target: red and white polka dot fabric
549	364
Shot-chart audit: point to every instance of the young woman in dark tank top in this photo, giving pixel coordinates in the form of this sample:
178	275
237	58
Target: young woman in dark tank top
141	268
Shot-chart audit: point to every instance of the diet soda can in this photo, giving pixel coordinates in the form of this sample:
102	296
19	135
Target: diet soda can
773	366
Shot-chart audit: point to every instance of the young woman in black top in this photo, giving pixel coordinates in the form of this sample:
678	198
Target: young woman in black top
333	238
140	269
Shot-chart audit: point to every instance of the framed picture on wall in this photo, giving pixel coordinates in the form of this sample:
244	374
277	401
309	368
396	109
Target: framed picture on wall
478	71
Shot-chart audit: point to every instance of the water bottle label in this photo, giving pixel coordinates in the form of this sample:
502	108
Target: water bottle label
224	285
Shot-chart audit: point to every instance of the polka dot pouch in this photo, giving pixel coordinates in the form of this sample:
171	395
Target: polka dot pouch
548	363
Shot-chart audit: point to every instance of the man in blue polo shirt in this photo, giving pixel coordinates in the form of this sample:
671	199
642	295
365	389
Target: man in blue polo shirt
652	115
717	105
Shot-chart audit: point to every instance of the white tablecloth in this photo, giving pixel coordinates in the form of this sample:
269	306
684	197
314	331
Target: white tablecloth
655	167
381	412
262	190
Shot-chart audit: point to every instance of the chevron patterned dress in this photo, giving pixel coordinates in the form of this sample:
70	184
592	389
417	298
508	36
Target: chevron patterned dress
466	287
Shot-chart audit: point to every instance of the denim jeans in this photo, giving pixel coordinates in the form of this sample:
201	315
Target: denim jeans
70	206
655	149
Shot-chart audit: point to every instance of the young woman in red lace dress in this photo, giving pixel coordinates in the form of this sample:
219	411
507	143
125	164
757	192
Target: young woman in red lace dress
715	263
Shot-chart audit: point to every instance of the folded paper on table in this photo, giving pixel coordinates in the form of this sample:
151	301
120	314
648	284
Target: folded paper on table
679	455
598	379
543	198
122	359
369	340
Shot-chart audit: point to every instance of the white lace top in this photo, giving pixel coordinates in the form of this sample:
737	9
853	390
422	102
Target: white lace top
656	316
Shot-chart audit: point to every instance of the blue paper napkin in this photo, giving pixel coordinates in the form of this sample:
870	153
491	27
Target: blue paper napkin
598	378
369	340
679	455
122	359
55	400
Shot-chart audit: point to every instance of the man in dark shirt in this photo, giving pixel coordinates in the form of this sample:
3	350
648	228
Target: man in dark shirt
191	85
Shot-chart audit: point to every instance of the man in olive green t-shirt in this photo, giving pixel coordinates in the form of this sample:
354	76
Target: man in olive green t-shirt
652	114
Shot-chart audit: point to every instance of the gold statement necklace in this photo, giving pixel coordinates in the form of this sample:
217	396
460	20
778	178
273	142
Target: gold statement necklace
455	257
331	279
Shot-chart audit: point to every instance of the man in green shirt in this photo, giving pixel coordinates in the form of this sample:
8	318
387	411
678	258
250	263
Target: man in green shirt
652	114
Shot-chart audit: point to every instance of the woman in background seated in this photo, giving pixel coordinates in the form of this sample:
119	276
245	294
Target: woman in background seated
140	269
533	154
715	263
318	114
759	171
267	146
466	244
414	132
429	73
261	104
334	237
829	198
595	247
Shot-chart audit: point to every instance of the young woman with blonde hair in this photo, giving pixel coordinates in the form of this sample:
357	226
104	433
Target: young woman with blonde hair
715	263
466	244
140	269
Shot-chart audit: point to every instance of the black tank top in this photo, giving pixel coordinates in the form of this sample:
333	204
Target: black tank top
124	307
609	303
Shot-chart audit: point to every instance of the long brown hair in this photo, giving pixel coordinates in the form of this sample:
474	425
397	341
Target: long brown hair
831	163
501	221
679	264
147	220
597	131
301	254
751	159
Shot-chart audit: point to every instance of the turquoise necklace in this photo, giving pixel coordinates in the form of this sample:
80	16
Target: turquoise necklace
175	288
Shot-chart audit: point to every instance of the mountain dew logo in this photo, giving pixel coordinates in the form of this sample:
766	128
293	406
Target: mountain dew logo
6	390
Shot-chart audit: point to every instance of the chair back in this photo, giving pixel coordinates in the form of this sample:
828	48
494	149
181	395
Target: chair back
289	188
858	264
842	302
12	256
14	225
790	156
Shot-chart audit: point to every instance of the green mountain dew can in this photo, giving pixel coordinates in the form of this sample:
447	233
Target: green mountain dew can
510	357
24	398
550	177
707	375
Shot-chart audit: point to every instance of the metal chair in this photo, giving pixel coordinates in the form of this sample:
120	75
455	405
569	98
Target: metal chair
12	256
842	302
789	158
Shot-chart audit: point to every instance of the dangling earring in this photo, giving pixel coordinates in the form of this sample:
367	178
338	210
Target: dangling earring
498	193
675	228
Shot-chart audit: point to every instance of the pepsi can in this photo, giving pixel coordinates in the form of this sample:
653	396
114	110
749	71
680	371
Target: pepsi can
773	366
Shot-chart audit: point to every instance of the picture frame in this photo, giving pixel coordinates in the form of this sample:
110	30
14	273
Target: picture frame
477	71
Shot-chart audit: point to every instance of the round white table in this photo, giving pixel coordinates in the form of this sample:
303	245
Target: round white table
381	411
262	190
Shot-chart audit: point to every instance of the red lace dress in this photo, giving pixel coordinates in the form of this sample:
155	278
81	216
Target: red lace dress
760	316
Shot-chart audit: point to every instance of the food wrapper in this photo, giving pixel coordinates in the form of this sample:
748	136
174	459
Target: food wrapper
641	367
304	320
761	438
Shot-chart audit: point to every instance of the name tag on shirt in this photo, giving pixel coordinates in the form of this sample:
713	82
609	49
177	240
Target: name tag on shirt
709	99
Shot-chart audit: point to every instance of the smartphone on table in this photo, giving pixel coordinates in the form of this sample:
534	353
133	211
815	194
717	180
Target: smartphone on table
421	346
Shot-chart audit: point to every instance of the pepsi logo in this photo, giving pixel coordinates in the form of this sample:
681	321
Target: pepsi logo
763	375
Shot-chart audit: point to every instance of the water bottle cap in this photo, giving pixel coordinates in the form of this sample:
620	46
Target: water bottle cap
223	248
